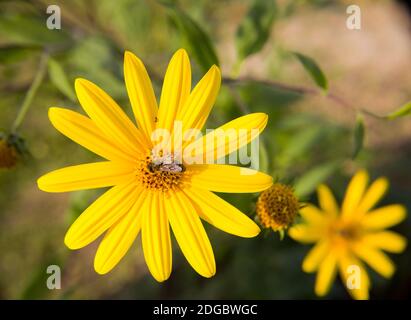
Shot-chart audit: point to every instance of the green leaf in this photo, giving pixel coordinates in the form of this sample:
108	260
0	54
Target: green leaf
403	111
59	79
359	135
99	68
25	30
313	70
307	183
255	29
196	39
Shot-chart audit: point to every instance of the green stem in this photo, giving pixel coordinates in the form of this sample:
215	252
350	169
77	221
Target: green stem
371	114
28	99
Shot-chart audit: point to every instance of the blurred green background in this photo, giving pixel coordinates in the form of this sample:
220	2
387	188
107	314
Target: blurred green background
311	137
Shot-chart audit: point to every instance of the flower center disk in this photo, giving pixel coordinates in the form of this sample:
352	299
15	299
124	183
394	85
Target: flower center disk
160	172
277	207
345	233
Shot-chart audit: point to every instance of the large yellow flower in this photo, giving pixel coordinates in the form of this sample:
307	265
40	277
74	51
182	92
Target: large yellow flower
344	238
150	191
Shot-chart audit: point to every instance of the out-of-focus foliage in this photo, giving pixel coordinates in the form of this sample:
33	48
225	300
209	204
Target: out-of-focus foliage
309	181
59	79
255	28
313	70
21	29
359	135
403	111
196	40
300	146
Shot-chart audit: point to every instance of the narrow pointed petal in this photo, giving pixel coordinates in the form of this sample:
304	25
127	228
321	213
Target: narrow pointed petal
83	131
86	176
141	93
327	201
229	137
108	116
119	238
384	217
101	215
357	287
176	89
190	234
226	178
156	237
354	193
305	233
195	111
312	215
221	214
386	240
376	259
315	256
374	194
326	275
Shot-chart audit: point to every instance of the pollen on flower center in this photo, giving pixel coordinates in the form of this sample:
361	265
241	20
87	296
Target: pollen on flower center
161	172
277	207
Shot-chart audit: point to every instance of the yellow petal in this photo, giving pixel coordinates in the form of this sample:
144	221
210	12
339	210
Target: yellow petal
357	287
376	259
86	176
315	256
176	89
313	216
190	234
374	193
221	214
156	237
326	274
230	137
109	117
119	238
141	93
83	131
195	111
101	215
305	233
386	240
354	194
327	201
226	178
384	217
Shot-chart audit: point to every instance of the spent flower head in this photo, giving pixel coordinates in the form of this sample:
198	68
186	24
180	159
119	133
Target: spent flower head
277	207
